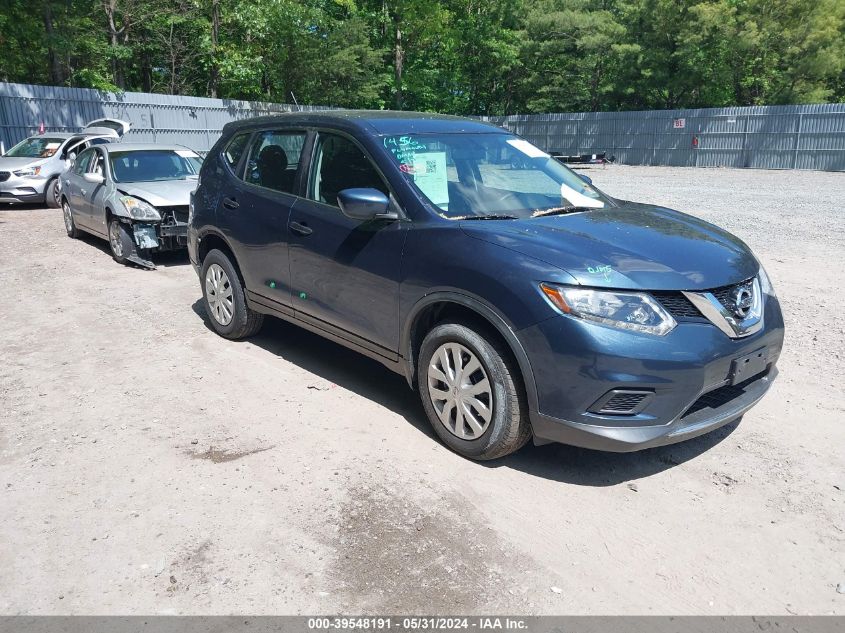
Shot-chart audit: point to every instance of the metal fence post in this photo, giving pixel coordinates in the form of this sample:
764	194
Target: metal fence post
797	140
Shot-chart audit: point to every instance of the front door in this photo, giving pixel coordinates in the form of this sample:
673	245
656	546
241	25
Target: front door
92	198
344	272
73	186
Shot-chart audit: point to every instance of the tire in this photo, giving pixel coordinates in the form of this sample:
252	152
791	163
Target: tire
224	299
508	428
51	194
120	241
70	225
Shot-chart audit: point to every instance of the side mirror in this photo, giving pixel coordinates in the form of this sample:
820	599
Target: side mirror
94	179
586	178
364	204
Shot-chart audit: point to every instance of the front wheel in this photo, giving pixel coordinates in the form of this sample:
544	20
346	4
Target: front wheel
120	241
472	392
224	297
51	194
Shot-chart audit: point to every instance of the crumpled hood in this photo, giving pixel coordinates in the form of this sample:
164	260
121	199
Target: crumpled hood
167	193
11	163
631	246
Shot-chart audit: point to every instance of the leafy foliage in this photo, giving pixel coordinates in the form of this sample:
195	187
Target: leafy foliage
460	56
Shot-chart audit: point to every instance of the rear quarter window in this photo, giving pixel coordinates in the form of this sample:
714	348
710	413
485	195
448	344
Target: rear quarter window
235	149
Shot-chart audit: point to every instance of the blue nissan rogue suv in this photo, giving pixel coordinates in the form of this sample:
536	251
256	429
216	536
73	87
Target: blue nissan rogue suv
517	298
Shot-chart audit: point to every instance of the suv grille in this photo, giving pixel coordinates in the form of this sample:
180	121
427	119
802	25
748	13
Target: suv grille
4	176
721	396
677	305
725	294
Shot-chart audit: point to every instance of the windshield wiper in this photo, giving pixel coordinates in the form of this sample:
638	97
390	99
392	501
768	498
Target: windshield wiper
485	217
562	211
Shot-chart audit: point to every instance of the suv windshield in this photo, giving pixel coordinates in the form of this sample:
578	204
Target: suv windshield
484	175
36	147
153	165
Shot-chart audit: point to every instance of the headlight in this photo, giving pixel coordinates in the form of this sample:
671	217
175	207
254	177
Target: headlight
138	209
28	171
765	282
634	311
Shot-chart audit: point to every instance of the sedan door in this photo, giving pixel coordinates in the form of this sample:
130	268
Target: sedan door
73	186
93	194
344	272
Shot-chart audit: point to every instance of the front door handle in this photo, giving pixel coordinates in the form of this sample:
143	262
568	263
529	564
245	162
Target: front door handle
230	203
302	229
82	191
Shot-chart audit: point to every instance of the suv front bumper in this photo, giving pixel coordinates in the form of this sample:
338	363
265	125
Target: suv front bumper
688	374
22	190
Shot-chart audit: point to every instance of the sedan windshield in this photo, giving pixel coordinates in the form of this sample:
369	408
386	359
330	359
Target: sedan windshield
493	176
36	147
153	165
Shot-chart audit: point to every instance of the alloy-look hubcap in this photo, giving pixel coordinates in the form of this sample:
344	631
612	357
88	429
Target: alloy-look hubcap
114	239
68	217
218	293
460	391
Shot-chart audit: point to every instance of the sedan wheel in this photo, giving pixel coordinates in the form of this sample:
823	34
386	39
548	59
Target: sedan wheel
70	227
114	239
460	391
218	292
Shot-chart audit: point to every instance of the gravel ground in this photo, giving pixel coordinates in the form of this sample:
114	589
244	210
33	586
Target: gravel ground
149	466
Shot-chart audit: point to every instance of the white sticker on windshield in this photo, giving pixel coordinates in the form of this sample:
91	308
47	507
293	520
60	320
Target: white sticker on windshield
430	176
579	199
527	148
52	146
186	153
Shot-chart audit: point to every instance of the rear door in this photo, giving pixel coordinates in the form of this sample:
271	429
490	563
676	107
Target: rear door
114	128
255	208
344	272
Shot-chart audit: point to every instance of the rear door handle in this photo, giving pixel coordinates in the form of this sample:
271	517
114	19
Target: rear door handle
302	229
230	203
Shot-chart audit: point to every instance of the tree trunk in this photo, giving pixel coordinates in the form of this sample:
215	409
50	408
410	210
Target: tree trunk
398	61
214	75
56	75
110	7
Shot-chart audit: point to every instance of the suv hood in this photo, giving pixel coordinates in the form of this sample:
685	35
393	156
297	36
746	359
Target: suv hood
166	193
11	163
633	246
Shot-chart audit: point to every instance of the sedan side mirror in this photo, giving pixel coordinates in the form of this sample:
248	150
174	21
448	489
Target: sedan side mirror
94	179
364	204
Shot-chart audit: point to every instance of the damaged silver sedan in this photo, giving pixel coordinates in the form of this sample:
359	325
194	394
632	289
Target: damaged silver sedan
133	195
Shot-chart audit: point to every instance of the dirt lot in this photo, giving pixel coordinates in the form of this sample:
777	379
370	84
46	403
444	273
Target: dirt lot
149	466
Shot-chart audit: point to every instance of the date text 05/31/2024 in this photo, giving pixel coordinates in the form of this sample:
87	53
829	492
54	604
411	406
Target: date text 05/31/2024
416	623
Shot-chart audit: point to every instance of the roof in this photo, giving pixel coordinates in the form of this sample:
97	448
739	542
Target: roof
379	122
139	147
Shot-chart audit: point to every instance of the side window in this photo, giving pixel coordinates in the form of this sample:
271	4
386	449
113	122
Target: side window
98	164
235	149
81	164
340	164
273	160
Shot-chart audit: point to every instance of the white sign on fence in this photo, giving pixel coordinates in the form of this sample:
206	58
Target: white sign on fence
679	124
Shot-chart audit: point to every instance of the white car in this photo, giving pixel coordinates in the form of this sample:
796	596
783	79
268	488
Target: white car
29	171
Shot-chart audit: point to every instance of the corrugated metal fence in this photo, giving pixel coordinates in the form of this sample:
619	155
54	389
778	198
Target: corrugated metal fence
191	121
764	137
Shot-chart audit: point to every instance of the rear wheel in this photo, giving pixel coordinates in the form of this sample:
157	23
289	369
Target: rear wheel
51	194
120	241
70	225
225	301
472	392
